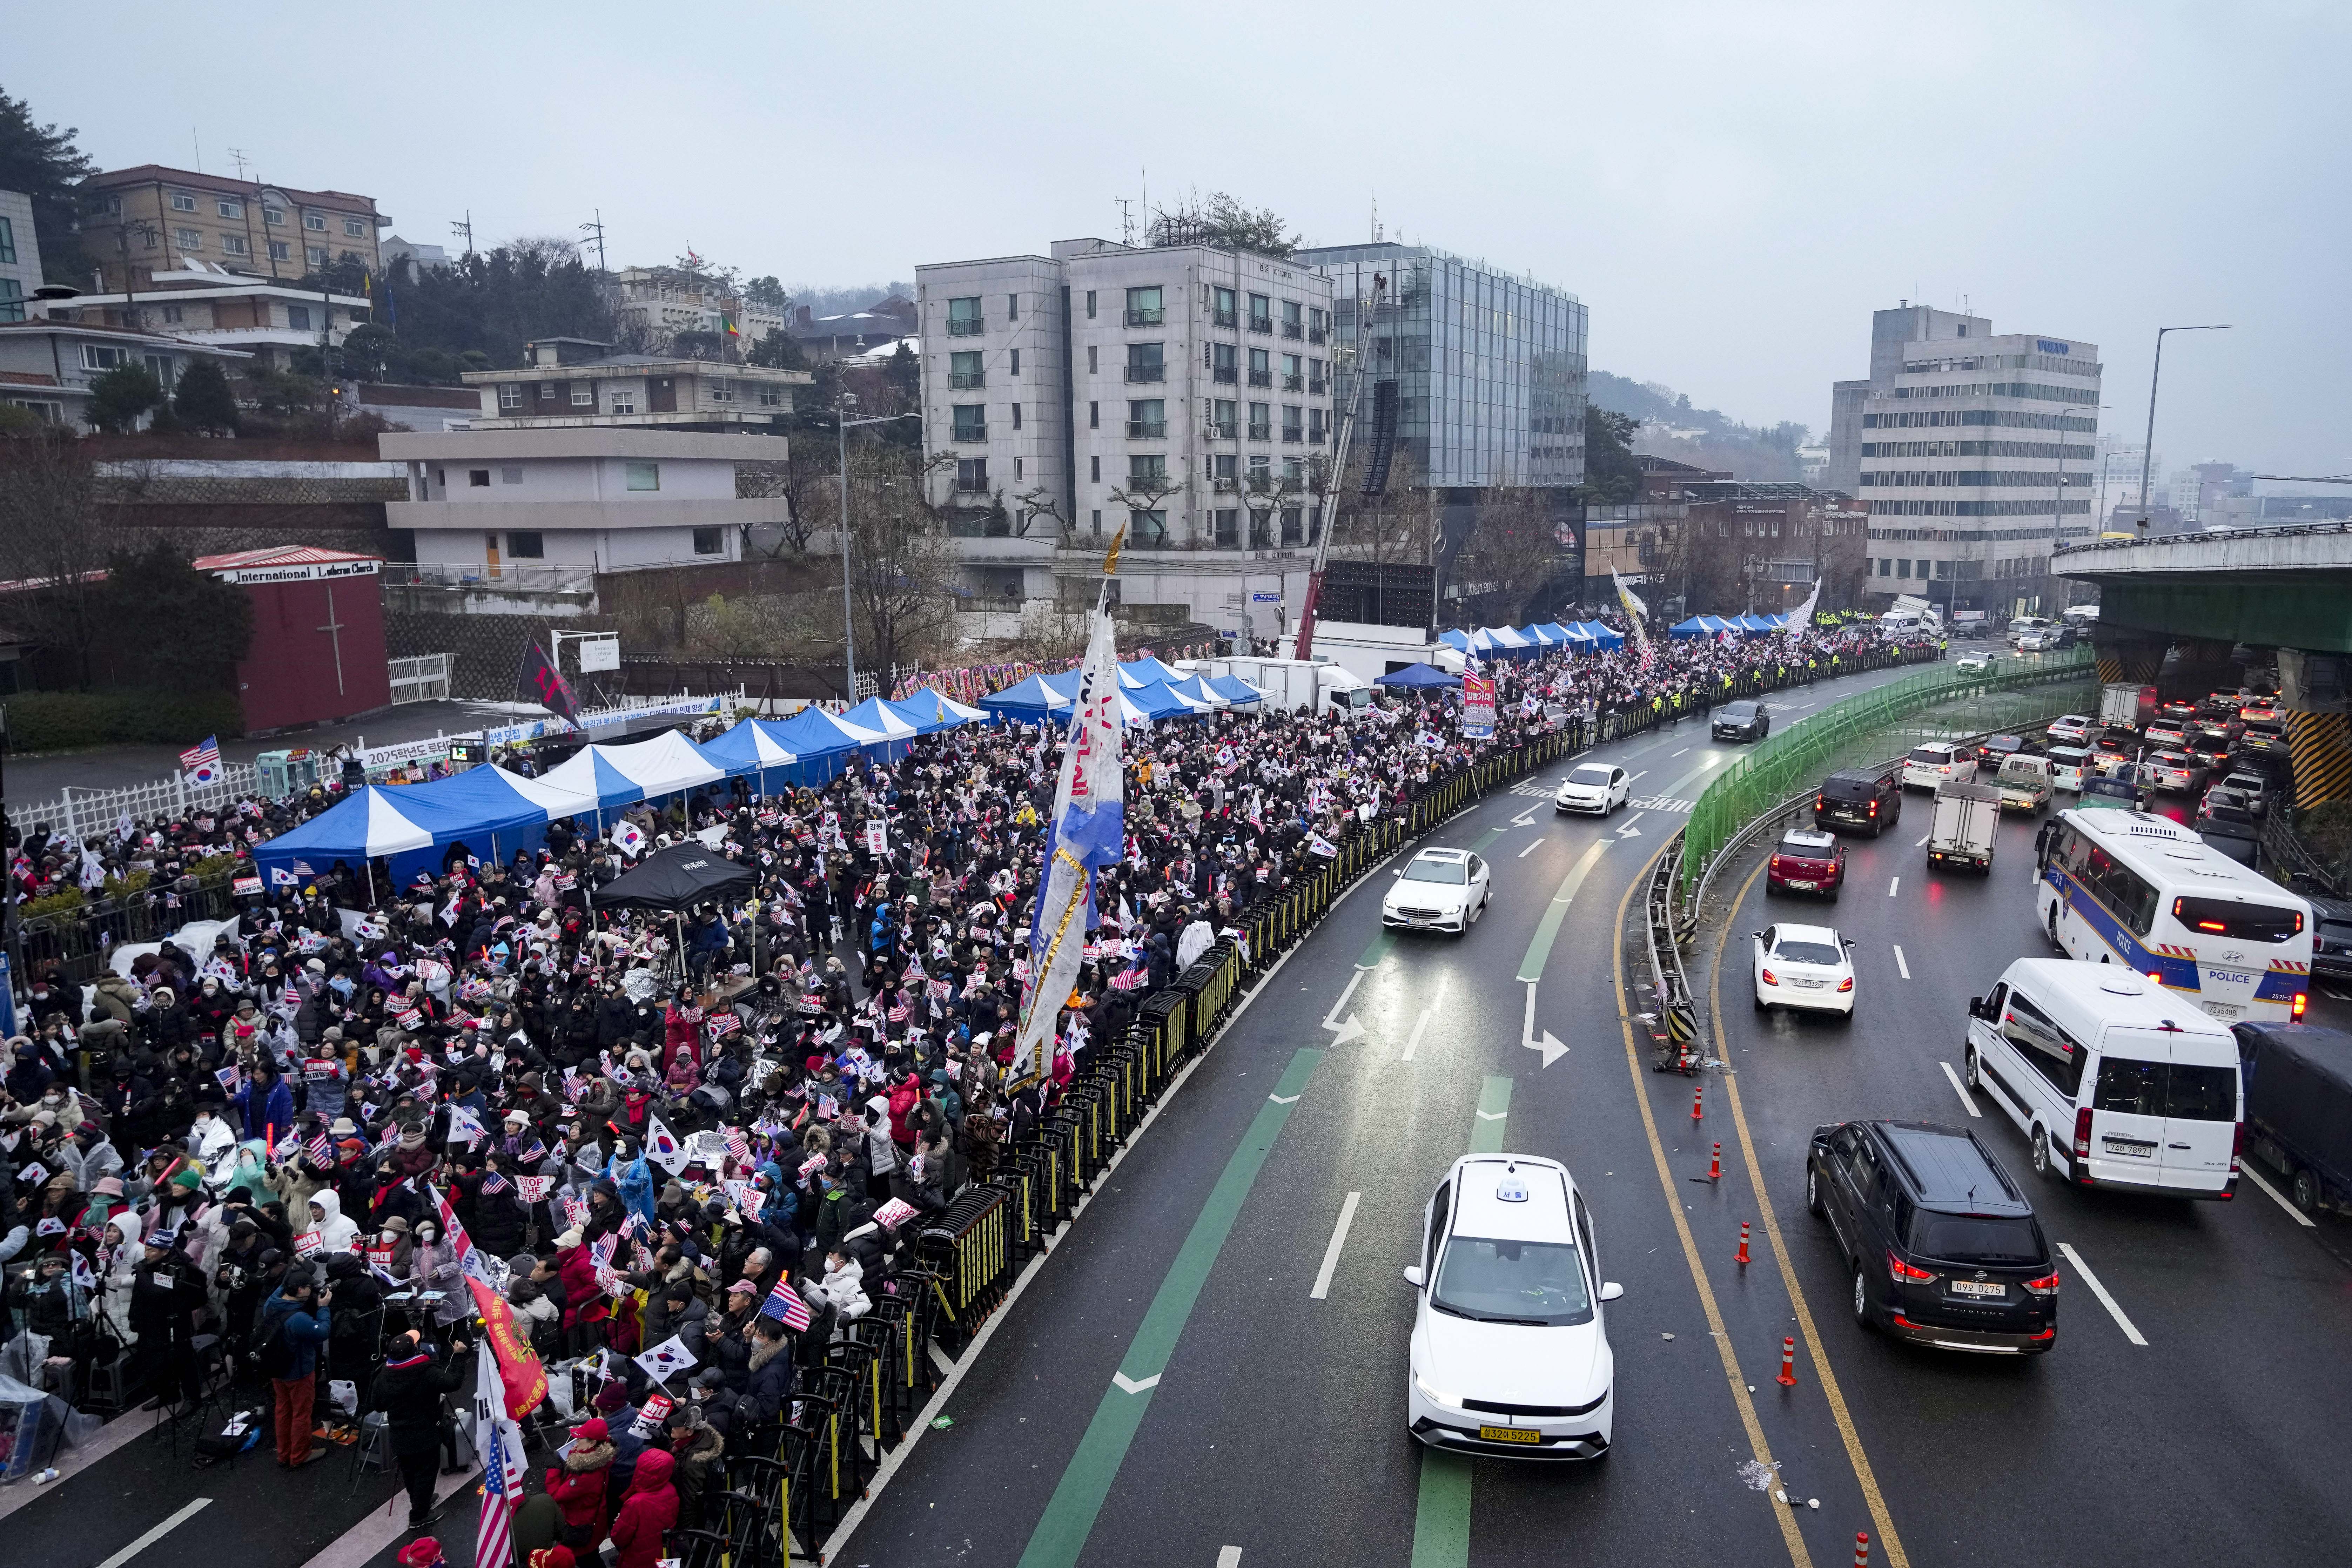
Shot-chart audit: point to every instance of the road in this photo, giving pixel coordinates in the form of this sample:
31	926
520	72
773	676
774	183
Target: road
1258	1414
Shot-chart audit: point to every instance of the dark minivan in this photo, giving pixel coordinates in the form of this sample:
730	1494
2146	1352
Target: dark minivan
1942	1247
1745	719
1859	798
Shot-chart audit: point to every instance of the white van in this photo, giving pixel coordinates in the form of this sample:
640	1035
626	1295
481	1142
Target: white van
2114	1080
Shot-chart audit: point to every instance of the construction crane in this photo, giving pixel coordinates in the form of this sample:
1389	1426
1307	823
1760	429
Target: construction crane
1376	462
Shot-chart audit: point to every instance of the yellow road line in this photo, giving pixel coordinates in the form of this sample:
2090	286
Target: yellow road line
1740	1395
1889	1543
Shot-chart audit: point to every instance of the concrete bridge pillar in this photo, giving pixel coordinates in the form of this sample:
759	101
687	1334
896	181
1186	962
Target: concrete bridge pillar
2124	655
2318	733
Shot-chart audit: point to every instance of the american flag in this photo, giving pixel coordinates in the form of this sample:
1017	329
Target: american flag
492	1183
203	759
738	1148
536	1152
784	1302
322	1150
494	1544
601	1250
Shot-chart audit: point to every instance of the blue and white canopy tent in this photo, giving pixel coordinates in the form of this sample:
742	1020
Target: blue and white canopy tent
1039	697
822	746
931	711
879	729
1234	689
1419	678
755	749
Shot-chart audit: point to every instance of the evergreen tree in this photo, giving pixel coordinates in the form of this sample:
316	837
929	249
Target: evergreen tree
123	396
203	400
43	162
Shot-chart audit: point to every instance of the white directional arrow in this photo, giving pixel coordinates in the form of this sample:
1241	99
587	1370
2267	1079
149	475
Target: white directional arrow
1134	1384
1547	1042
1524	819
1284	1099
1628	830
1493	1115
1347	1028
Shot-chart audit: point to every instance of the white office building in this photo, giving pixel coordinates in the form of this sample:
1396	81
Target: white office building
1973	451
1185	392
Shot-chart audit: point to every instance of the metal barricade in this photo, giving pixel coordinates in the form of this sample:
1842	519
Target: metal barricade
965	1247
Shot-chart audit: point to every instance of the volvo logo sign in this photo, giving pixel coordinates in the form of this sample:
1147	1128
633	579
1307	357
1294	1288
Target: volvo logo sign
2046	346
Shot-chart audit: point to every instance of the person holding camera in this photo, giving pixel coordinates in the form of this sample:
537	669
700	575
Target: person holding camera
294	1322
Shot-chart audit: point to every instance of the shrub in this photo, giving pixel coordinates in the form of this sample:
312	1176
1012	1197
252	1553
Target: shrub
64	720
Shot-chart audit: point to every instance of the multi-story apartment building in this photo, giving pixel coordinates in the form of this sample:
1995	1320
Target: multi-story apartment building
578	382
20	254
657	303
1974	454
141	221
214	304
1183	392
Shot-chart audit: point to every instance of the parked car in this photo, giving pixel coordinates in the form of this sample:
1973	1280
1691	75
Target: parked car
1745	719
2072	729
1860	798
1943	1247
1934	764
1806	860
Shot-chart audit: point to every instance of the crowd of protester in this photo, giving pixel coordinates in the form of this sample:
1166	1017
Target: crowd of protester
278	1152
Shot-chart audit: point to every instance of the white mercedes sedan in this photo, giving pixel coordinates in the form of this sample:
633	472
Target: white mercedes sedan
1439	890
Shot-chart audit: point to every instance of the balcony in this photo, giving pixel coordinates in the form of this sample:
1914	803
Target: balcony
1294	384
1216	431
1261	378
1224	372
1293	329
1294	433
1314	335
978	432
1146	315
967	380
1224	318
1316	388
1226	484
966	326
1261	323
1261	433
1147	429
1140	372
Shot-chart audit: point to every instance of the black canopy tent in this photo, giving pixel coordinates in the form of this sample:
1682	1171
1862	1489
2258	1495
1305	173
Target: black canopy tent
674	877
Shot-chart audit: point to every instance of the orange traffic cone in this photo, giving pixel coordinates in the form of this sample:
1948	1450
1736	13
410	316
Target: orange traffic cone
1788	1378
1861	1549
1698	1092
1715	1166
1743	1244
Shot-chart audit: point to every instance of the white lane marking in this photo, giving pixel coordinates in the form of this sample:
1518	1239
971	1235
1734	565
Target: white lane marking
1900	965
1960	1089
1332	1255
2100	1291
1284	1099
1493	1115
156	1534
1530	849
1347	1028
1421	1025
2277	1197
1678	754
1892	885
1923	843
1229	1557
1636	778
1135	1384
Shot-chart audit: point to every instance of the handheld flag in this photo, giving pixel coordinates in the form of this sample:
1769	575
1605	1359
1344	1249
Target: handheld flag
785	1302
662	1147
666	1358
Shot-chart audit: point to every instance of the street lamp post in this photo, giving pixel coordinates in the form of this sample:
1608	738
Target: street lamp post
2148	452
2058	484
849	615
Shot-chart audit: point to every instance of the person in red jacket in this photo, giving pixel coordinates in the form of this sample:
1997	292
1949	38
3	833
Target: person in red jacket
681	1029
904	1097
585	1305
649	1509
578	1485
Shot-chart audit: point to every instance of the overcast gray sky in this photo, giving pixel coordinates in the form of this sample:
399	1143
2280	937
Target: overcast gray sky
1730	187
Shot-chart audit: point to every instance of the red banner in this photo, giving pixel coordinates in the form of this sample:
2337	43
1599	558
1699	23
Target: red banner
519	1368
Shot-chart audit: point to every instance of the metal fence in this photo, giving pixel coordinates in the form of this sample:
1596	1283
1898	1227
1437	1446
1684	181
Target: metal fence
424	678
93	813
1856	731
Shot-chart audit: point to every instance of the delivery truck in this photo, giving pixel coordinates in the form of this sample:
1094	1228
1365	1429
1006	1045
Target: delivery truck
1960	833
2298	1080
2123	706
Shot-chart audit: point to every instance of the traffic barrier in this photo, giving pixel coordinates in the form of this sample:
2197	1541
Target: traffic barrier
966	1249
1788	1378
1715	1165
1742	1259
1699	1091
1861	1549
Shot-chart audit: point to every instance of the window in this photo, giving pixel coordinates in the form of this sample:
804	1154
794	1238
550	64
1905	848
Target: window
583	395
1147	418
1294	424
1147	468
1315	377
965	371
1318	324
1229	526
1092	366
1013	306
964	318
183	200
12	300
233	245
527	546
1093	470
103	356
315	221
1226	470
1094	415
1292	378
228	208
645	476
7	240
711	542
1016	471
1090	304
1261	368
1013	366
547	392
272	217
188	238
159	367
1294	528
478	478
972	475
511	474
2233	922
1146	361
1097	519
717	389
1294	319
355	228
1261	313
1886	564
1261	422
969	421
280	251
510	398
1315	425
1017	417
1221	362
623	400
298	318
1224	419
1221	302
314	256
1143	307
771	396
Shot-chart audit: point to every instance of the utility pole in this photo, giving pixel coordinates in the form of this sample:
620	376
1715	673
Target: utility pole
595	229
466	228
2147	453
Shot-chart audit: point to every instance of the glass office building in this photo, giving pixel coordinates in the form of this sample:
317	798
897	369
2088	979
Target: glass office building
1489	369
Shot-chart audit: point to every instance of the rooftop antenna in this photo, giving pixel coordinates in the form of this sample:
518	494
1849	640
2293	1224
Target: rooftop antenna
198	143
595	229
237	156
1376	217
464	228
1125	206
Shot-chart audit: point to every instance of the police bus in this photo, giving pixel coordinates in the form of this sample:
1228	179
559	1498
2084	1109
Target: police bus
2125	886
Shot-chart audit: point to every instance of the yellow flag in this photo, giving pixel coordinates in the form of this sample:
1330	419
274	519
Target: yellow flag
1111	561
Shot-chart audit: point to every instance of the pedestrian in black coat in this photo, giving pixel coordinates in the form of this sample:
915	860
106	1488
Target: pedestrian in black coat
408	1391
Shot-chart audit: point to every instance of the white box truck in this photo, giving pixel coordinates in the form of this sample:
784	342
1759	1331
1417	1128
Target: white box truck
1291	684
2123	706
1961	831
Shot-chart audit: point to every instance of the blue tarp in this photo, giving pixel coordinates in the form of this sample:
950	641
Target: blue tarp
1158	702
1418	677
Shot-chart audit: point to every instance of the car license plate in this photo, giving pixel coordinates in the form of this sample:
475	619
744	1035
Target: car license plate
1509	1435
2222	1009
1971	1288
2138	1150
1806	887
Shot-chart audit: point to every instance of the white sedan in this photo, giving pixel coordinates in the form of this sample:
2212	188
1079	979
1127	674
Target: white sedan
1804	969
1973	660
1439	890
1511	1353
2072	729
1596	788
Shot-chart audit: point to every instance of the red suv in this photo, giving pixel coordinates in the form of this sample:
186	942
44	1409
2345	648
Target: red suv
1806	860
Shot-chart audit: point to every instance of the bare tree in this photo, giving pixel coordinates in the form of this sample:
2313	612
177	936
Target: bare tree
1392	528
1031	504
804	482
1513	552
1146	495
902	571
1220	220
49	534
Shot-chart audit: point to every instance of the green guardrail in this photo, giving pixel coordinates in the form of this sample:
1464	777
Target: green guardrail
1839	736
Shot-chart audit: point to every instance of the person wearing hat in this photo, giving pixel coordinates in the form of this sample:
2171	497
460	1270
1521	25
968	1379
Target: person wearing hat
409	1391
695	1446
265	1105
166	1293
578	1485
294	1322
